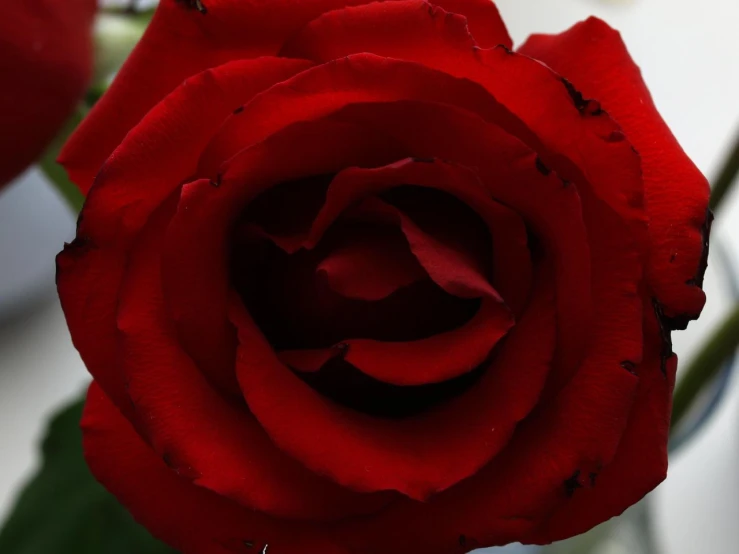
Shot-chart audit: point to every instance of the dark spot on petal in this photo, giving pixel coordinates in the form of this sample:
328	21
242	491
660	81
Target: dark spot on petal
595	109
616	136
575	94
629	366
217	181
194	5
593	477
424	160
673	257
462	540
566	183
572	484
543	169
238	110
167	459
584	105
634	150
665	332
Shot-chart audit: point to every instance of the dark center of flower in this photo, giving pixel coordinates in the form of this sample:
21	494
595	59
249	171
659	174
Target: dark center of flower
364	279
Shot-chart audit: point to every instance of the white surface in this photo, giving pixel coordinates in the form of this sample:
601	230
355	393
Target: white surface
34	223
689	53
39	368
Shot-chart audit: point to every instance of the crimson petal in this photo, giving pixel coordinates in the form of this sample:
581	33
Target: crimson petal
146	168
644	446
371	267
192	519
590	54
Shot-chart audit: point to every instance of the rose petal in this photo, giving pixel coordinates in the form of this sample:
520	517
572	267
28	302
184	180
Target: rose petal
371	267
595	59
147	168
420	362
382	28
189	518
324	89
88	281
161	151
644	446
451	266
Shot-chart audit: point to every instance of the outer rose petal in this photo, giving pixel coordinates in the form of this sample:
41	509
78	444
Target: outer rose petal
641	461
45	63
181	42
189	518
595	59
147	167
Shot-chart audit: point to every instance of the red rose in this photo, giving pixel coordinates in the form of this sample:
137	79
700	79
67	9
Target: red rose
350	280
45	64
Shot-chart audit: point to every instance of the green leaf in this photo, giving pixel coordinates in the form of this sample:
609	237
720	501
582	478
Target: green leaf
64	510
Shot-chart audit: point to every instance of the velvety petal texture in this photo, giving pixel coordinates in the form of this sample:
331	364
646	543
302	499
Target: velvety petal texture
357	278
45	64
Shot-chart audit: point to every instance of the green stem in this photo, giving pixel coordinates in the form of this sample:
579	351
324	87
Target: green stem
726	177
56	173
705	365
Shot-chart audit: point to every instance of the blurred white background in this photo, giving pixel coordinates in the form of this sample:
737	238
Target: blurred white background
689	54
